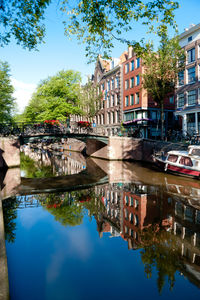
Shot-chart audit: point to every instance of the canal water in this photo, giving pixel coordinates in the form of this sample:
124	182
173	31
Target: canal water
91	229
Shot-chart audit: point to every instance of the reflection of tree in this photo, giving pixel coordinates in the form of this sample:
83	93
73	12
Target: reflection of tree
34	169
9	215
63	207
160	250
68	208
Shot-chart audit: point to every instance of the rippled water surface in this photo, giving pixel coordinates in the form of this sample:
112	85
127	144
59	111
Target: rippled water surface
123	231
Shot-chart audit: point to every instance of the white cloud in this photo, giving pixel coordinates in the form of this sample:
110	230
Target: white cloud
23	92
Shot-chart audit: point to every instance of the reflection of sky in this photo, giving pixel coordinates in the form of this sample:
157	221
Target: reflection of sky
51	262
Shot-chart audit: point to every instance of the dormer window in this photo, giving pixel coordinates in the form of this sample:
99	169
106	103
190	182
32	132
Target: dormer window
189	39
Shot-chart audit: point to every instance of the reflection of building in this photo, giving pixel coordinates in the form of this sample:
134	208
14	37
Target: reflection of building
111	219
132	209
62	163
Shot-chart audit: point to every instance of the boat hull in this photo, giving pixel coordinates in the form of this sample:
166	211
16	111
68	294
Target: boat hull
177	170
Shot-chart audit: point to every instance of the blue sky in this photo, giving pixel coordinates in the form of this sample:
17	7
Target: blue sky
58	52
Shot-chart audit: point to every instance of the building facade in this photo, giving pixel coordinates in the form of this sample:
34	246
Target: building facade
188	87
108	76
138	108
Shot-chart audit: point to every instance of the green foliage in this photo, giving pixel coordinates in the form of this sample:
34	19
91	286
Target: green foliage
22	20
161	69
34	169
63	207
7	103
98	23
55	98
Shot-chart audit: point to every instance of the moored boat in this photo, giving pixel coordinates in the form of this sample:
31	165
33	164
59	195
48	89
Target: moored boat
185	163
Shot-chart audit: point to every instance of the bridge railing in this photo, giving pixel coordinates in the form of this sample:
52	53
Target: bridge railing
22	128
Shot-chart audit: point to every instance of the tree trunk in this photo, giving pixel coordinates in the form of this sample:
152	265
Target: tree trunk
162	119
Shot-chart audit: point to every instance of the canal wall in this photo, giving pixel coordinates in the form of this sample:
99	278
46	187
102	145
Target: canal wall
9	152
4	285
127	148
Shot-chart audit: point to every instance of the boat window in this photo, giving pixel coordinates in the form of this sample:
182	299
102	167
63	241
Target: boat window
186	161
195	152
172	158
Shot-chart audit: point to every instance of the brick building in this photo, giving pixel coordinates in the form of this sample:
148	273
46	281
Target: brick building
138	107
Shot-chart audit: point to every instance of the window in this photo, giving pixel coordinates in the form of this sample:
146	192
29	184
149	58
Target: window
117	82
113	84
186	161
137	98
105	94
127	68
189	39
132	82
171	99
191	74
132	99
199	72
172	158
136	204
180	100
181	78
137	62
132	65
102	87
191	97
108	101
108	84
137	79
113	117
108	118
113	100
131	202
136	220
126	84
191	55
126	101
118	99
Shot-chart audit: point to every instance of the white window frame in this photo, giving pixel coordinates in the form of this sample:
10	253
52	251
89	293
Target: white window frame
126	100
126	68
195	102
126	84
190	56
178	96
188	76
137	79
132	82
137	98
138	62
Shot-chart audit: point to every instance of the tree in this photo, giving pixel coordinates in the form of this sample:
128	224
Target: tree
55	98
90	99
22	20
98	23
7	102
95	23
161	69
